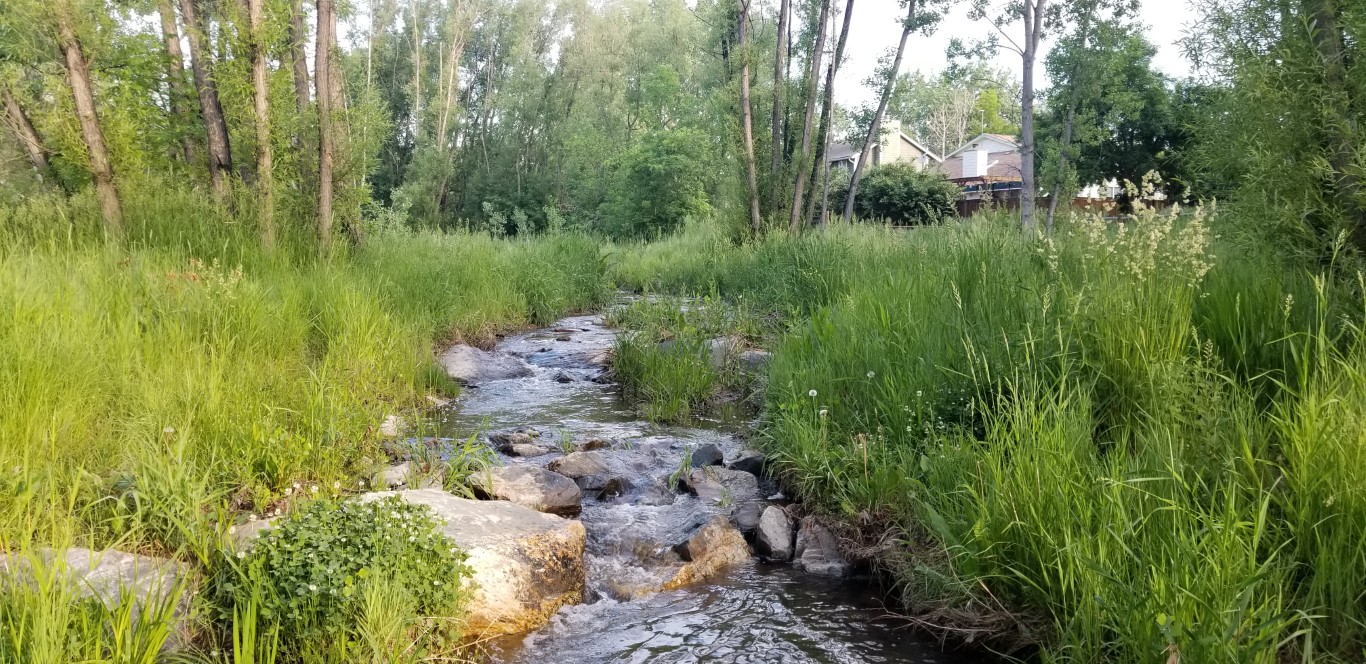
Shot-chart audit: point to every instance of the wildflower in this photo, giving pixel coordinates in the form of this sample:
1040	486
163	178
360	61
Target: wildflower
241	555
362	484
313	488
296	485
811	394
436	582
289	491
870	375
232	530
823	413
168	430
336	486
251	517
312	588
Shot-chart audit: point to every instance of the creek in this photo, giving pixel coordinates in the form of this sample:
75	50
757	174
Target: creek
752	612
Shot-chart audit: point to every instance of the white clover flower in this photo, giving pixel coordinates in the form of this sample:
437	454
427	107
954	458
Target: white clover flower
241	555
313	488
296	485
289	491
811	394
436	582
251	517
336	486
312	588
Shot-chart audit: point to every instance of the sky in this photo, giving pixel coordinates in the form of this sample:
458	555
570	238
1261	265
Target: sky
876	28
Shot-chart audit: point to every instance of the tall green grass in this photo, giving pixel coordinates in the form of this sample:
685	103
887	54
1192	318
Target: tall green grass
154	391
1126	443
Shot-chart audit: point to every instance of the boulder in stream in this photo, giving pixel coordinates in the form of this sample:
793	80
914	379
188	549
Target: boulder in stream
749	461
525	450
471	366
707	455
818	551
529	486
774	538
721	486
581	464
746	516
526	564
710	548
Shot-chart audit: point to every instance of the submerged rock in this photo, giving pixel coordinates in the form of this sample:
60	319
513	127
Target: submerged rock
722	486
774	538
746	516
707	455
113	577
529	486
818	551
525	564
749	461
470	365
595	444
710	548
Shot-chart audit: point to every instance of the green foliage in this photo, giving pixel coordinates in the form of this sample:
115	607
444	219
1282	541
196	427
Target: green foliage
317	564
902	193
660	183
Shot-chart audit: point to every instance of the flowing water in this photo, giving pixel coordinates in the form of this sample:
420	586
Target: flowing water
755	612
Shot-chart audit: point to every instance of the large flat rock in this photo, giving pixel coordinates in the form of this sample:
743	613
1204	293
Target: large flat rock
526	564
154	586
472	366
529	486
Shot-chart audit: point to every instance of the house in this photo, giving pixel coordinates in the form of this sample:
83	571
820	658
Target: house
987	167
895	147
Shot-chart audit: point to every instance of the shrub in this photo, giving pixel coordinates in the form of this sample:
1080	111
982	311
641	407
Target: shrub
904	194
316	565
659	183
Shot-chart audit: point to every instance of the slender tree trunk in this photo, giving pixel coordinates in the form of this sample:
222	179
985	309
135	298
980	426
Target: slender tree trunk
1033	20
78	76
748	120
175	77
23	129
298	35
417	73
265	174
323	71
215	127
1338	127
452	77
875	129
828	108
779	83
812	82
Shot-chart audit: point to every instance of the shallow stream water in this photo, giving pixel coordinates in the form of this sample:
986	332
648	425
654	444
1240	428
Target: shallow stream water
755	612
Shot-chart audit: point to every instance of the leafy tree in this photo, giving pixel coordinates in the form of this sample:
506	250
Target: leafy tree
660	182
903	194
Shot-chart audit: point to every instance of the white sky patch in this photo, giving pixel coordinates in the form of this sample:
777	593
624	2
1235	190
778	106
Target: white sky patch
877	27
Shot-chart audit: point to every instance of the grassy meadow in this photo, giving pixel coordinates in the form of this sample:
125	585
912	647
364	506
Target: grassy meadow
1127	443
155	394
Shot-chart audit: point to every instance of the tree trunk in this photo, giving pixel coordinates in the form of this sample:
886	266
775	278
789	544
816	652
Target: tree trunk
1328	42
78	76
215	127
23	129
452	77
175	77
748	121
827	108
298	34
417	73
265	176
1033	20
812	81
875	130
779	83
322	69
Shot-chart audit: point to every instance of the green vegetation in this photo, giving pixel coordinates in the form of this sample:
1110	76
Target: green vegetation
1111	442
153	395
902	193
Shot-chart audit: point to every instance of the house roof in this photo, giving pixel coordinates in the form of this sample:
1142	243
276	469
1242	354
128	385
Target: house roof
1003	166
1003	138
845	151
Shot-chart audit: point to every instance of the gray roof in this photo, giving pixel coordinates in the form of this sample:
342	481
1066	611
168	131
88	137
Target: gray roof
841	152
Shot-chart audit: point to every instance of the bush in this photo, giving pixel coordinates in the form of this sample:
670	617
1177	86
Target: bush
316	566
904	194
659	183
